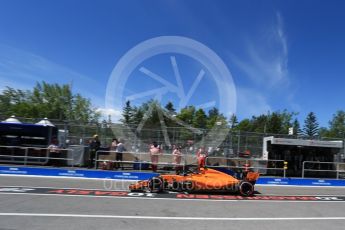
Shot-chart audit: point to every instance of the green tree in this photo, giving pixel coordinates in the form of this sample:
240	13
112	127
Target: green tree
152	112
149	114
138	115
259	124
170	107
81	110
187	114
233	121
275	124
311	126
15	102
47	100
127	113
337	125
216	118
200	119
245	125
324	132
213	117
296	127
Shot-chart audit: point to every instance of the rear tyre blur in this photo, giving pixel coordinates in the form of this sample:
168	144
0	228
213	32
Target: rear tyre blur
246	188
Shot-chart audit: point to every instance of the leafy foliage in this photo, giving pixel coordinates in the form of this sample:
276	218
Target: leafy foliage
127	114
47	100
337	125
200	119
233	122
170	107
296	127
311	126
276	122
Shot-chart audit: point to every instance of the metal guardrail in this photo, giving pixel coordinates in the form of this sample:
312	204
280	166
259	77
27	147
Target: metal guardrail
318	166
32	155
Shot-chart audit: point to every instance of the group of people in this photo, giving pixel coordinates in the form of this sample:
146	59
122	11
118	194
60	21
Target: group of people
155	152
116	145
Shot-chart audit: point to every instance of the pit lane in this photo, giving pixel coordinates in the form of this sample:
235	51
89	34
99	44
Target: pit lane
76	205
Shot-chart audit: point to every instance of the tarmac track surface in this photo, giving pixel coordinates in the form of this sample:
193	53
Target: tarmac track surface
74	204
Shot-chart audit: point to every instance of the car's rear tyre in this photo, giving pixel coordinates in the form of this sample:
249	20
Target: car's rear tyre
155	185
246	188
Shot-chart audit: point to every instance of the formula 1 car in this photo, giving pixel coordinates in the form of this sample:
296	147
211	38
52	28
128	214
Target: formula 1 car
203	179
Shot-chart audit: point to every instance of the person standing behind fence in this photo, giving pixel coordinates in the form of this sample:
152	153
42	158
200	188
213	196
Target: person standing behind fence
54	152
154	153
95	144
114	144
113	147
201	156
177	157
120	149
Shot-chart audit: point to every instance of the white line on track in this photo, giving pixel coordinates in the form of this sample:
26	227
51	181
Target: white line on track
171	217
168	199
76	188
66	177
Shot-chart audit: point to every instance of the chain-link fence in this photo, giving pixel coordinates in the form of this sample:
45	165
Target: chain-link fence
222	141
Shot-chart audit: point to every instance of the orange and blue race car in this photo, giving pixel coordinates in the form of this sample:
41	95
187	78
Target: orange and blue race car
203	179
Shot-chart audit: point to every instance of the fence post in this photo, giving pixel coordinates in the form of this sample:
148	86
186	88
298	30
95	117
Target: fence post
285	168
140	161
303	169
26	156
238	142
47	157
96	159
72	158
184	161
